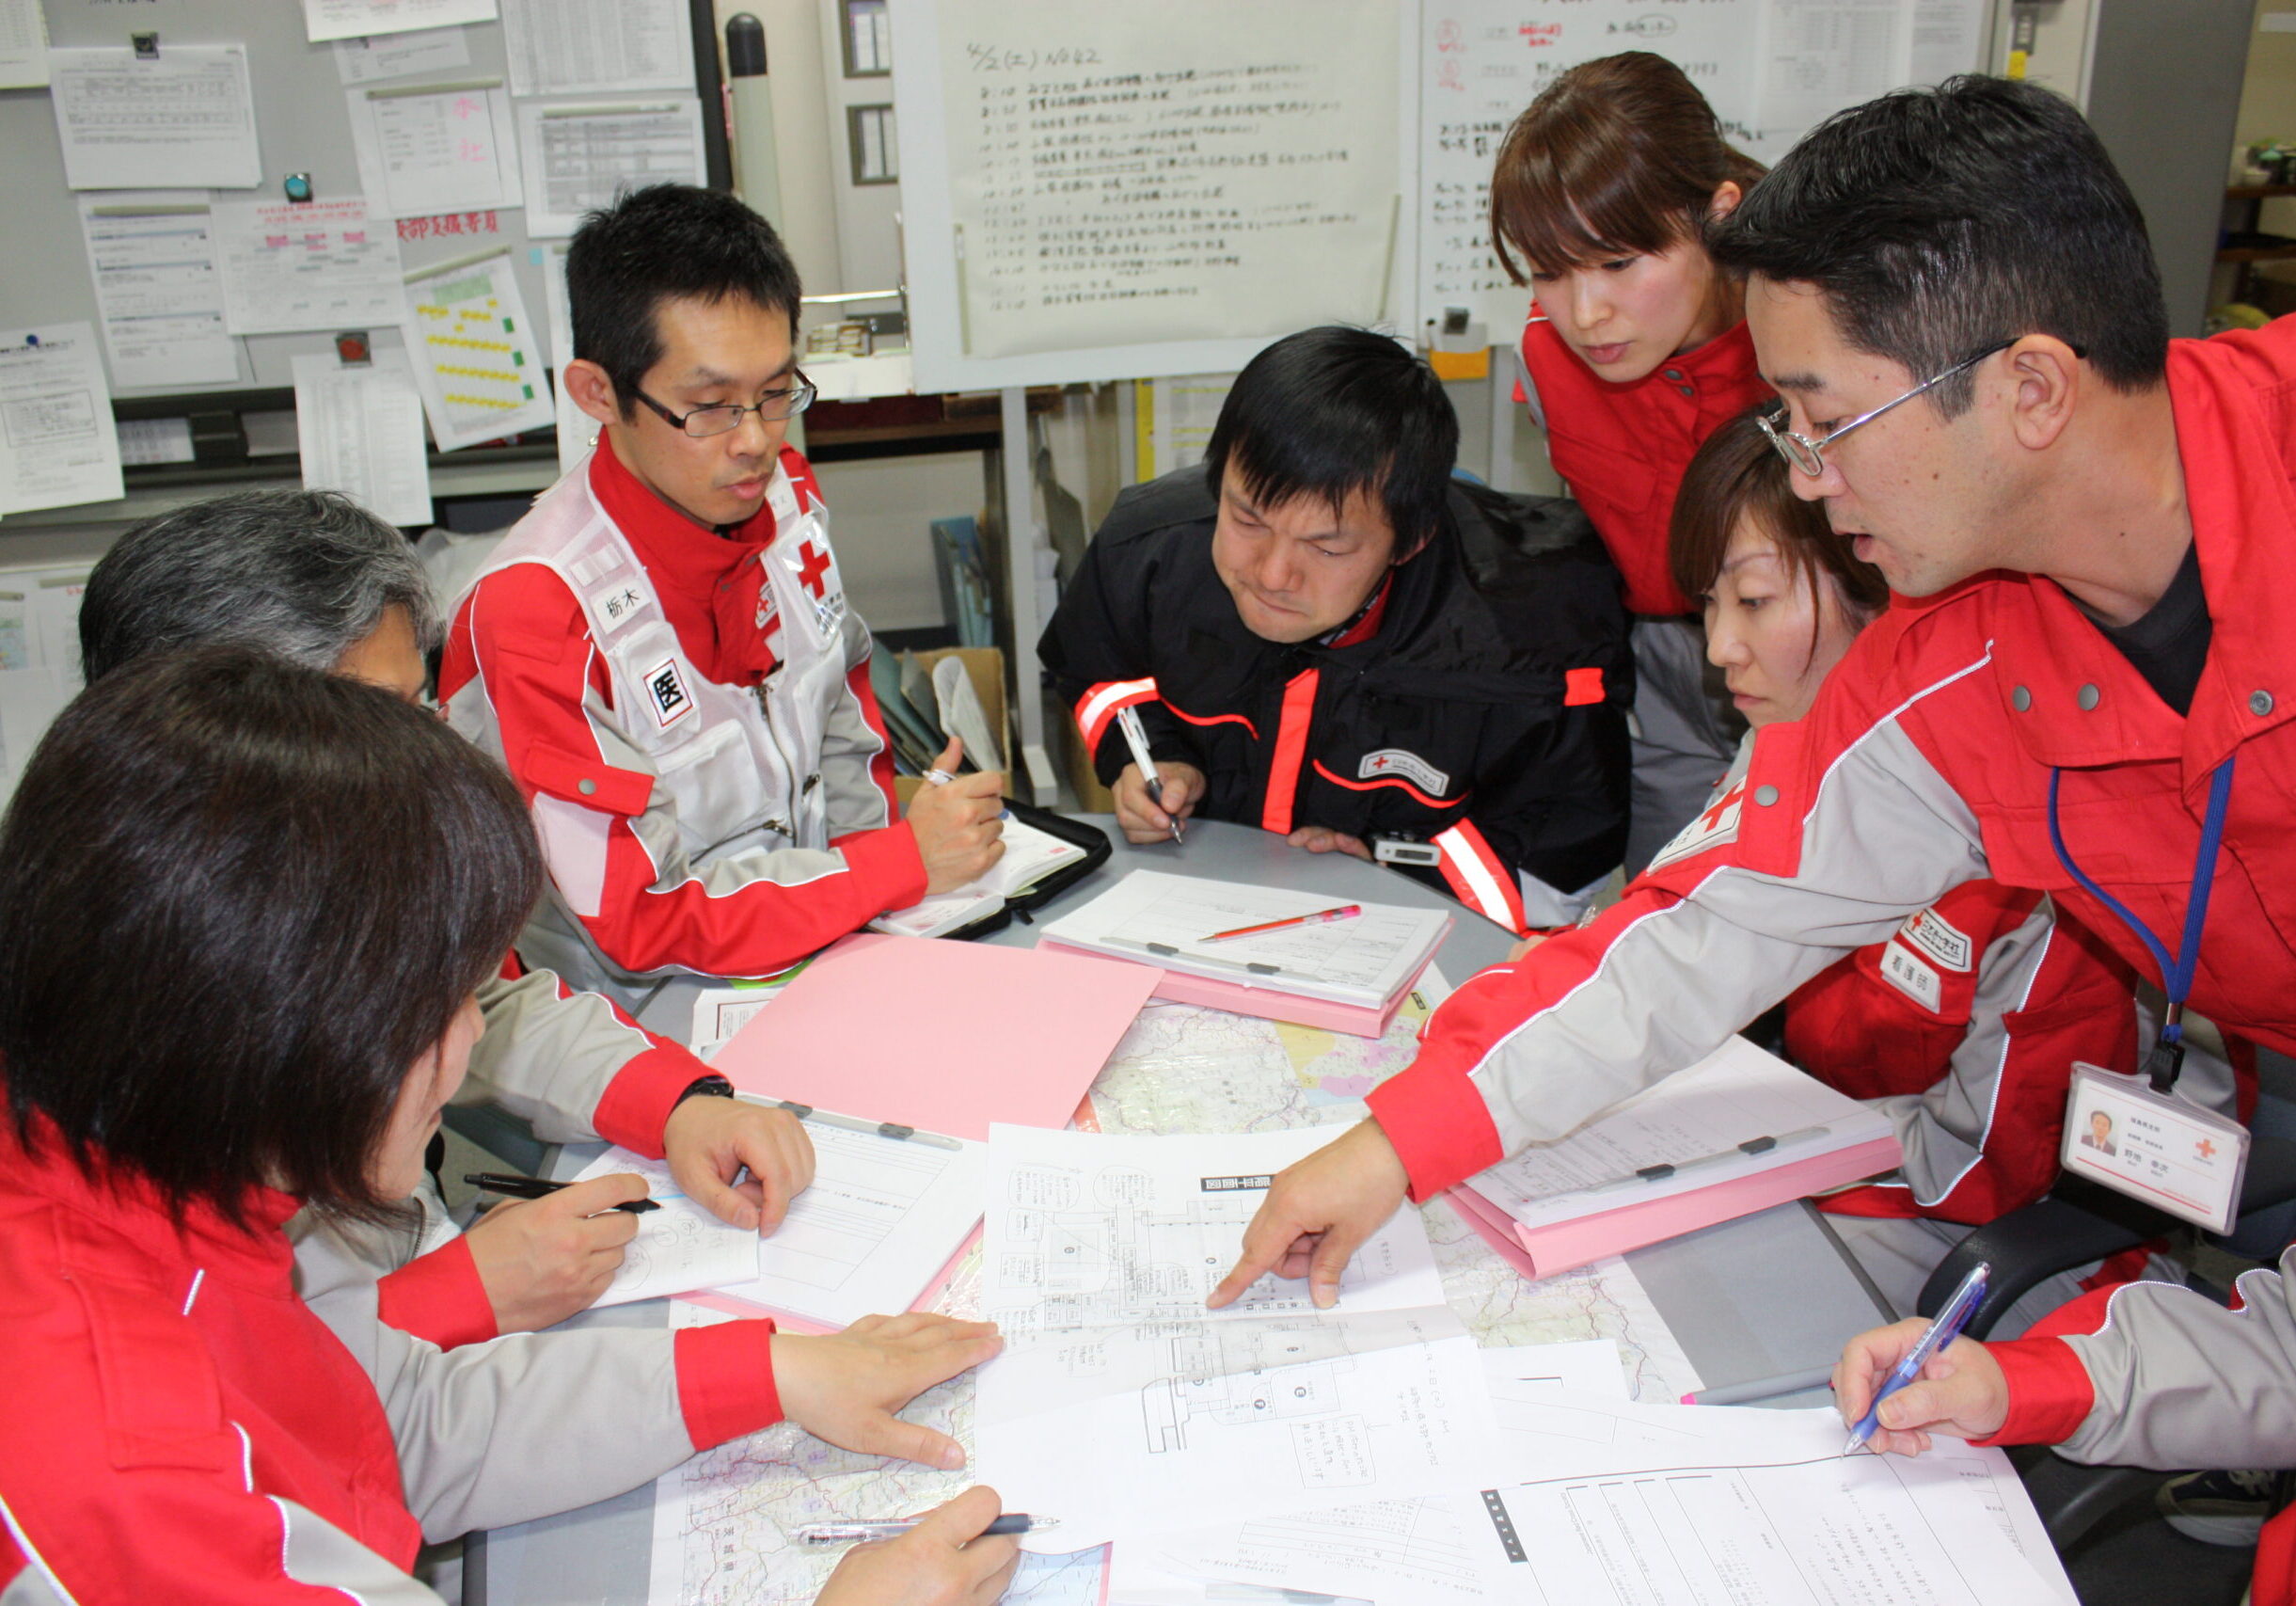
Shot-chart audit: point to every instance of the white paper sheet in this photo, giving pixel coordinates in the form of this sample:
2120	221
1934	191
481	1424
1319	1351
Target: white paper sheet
151	255
54	598
23	45
352	18
1123	1402
474	353
1687	1497
320	264
881	1219
1735	1095
29	699
1420	1551
1820	56
57	448
576	47
360	432
427	148
681	1247
186	120
577	156
1030	855
1164	919
369	59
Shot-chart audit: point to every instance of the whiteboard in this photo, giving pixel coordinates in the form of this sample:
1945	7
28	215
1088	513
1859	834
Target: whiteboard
1771	70
301	126
1098	189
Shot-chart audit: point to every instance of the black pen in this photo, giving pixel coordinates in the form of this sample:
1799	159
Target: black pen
539	1188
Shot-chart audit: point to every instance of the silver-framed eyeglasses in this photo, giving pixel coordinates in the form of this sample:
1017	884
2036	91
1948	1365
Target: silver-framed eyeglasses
702	422
1808	455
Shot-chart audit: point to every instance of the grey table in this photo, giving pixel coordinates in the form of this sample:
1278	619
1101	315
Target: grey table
1767	1296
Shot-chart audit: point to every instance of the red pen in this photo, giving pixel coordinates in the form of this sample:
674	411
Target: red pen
1345	912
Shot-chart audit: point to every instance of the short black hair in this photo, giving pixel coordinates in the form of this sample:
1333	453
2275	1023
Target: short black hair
239	901
307	575
1331	411
1938	221
655	244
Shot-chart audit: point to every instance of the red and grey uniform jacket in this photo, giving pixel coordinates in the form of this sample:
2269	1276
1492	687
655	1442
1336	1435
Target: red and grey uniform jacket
1926	763
1478	703
1623	449
2155	1374
689	716
182	1426
572	1067
1963	1027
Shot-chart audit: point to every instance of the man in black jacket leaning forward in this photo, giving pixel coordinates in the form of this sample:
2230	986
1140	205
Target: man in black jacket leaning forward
1327	636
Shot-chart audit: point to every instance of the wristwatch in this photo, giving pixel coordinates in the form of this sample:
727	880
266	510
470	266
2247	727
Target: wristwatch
710	1087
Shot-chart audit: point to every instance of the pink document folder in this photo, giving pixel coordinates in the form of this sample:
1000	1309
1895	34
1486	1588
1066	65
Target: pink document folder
1562	1245
1179	986
942	1036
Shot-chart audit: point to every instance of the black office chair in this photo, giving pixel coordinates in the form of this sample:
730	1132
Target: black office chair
2077	1223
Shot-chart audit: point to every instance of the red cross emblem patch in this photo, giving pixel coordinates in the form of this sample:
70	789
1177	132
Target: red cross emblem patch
813	564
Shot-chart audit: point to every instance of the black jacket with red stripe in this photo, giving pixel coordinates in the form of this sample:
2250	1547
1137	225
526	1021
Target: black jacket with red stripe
1485	708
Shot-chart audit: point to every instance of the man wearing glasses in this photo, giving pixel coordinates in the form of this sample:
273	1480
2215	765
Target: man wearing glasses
1953	290
663	653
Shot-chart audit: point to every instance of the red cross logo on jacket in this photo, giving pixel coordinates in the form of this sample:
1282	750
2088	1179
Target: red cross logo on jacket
812	562
1712	818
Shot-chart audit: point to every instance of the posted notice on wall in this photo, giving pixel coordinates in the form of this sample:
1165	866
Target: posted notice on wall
371	58
23	45
57	447
361	432
425	149
476	360
350	19
314	265
575	156
151	256
579	47
186	119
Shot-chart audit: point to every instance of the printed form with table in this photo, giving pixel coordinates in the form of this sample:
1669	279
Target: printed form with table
1488	1413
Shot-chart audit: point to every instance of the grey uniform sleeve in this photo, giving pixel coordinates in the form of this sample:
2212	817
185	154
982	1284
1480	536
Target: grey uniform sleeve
850	745
1884	836
515	1428
547	1059
2181	1381
1942	1129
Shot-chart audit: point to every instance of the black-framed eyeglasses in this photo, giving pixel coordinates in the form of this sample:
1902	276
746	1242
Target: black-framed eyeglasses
718	417
1808	455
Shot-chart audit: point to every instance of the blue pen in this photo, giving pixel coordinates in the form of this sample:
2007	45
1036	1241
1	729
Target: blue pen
1942	1331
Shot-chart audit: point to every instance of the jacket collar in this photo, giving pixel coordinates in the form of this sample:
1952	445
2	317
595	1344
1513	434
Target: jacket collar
1727	360
257	1254
681	557
2232	444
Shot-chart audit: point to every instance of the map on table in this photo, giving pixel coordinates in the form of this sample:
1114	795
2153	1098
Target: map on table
724	1523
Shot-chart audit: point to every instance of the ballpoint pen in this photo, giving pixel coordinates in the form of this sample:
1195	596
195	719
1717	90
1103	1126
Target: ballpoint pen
862	1532
1941	1332
541	1187
1136	739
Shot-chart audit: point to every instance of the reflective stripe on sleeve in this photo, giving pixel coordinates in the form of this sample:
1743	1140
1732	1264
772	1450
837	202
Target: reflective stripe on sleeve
1478	879
1099	704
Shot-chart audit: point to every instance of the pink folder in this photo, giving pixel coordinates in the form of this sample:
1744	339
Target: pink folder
942	1036
1562	1245
1179	986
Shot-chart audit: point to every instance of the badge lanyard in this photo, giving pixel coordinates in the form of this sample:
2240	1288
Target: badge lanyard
2167	1058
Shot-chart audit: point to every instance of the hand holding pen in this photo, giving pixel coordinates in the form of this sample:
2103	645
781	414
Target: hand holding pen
1923	1378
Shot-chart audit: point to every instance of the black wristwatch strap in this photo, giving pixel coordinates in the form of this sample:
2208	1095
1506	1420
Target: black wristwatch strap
710	1087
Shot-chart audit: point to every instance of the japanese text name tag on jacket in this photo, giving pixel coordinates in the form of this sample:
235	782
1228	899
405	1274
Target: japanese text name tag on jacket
2156	1147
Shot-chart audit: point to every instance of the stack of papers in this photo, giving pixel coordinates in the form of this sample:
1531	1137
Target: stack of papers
1126	1408
1345	974
1030	856
1737	1132
680	1247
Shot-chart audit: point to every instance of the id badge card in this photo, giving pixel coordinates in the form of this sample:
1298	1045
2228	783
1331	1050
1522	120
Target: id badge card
2155	1147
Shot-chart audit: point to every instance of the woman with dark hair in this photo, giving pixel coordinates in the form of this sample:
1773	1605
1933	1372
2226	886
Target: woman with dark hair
1635	350
243	907
1964	1025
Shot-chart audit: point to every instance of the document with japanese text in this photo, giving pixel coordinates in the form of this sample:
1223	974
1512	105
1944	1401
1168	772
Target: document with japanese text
425	149
151	255
58	444
314	265
351	19
476	361
184	119
360	432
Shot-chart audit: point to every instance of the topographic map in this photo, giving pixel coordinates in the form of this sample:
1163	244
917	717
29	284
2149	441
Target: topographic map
723	1523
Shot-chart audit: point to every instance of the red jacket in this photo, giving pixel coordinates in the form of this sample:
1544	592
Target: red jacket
180	1428
1622	447
1964	1027
1926	763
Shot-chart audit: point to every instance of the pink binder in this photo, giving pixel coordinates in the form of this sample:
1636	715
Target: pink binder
1563	1246
1180	987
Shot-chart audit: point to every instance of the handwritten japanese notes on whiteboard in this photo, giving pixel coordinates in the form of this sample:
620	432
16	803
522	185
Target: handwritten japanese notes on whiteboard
1114	183
476	361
